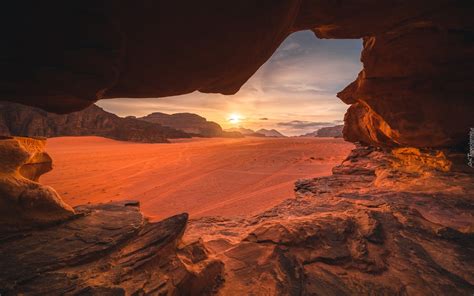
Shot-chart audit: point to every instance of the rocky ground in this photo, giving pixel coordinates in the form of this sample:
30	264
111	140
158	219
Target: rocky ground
385	223
107	249
372	228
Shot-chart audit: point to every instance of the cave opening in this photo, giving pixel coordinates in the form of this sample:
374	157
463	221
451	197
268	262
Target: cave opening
299	83
279	111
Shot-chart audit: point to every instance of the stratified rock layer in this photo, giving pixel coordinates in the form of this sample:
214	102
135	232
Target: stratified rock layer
23	201
415	89
106	249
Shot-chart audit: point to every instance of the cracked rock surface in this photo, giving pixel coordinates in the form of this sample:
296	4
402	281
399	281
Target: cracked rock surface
107	249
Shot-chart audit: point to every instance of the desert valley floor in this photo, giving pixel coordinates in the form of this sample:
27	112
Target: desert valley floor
200	176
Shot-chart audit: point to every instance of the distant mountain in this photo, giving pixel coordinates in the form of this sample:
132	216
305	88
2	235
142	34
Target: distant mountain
242	130
331	131
20	120
190	123
270	133
260	133
245	131
311	134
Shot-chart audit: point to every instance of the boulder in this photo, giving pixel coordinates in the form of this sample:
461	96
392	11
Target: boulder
23	201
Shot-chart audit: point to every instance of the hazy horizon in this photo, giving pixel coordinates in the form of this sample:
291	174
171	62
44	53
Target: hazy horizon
294	92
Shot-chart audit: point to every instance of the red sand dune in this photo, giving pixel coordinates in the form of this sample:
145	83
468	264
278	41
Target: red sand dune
199	176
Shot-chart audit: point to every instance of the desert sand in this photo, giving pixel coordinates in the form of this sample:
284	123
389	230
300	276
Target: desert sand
227	177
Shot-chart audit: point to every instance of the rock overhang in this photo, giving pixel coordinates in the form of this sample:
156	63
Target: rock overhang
414	89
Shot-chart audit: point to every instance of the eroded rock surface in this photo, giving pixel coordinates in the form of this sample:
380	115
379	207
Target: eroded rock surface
415	89
24	201
107	249
375	227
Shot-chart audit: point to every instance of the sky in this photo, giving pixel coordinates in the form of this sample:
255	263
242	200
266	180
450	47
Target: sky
293	92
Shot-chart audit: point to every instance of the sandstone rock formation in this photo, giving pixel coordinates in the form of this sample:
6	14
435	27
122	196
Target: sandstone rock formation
385	223
23	201
330	131
189	123
108	249
20	120
415	88
369	229
270	133
377	226
401	96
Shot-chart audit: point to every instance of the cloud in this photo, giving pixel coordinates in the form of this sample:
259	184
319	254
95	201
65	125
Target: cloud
290	46
263	118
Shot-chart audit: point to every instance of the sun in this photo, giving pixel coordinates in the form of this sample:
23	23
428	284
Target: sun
234	118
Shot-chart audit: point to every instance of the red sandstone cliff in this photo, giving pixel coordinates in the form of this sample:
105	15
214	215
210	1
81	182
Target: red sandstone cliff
20	120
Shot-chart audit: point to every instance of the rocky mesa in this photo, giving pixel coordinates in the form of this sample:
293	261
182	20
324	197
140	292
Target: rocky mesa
190	123
330	131
21	120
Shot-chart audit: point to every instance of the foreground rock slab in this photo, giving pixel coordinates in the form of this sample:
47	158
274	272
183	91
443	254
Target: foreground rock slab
108	249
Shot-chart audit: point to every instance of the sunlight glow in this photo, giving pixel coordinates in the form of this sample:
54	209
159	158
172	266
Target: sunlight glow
234	118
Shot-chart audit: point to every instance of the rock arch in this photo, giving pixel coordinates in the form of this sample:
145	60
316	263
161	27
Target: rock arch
418	56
